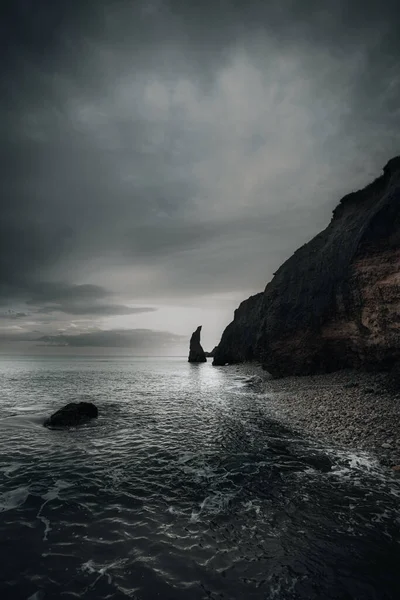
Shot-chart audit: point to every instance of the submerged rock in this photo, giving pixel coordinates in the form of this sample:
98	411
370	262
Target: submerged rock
334	303
74	413
196	352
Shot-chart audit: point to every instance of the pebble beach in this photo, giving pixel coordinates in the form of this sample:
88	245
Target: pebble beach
350	408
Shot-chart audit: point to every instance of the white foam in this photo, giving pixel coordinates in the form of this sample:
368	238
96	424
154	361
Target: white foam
91	567
173	511
199	471
194	517
88	566
39	595
251	505
13	498
33	421
10	468
213	504
186	456
381	517
285	584
52	494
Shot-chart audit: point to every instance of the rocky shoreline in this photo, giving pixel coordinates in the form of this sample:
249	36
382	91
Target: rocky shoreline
350	408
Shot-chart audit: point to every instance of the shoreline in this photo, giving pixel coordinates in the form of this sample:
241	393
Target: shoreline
353	409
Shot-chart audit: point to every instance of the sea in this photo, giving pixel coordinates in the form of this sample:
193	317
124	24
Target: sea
186	487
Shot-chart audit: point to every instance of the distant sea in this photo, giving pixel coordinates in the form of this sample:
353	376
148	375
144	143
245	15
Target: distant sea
185	487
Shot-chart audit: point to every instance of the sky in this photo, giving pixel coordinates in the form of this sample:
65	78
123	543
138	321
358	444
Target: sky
161	159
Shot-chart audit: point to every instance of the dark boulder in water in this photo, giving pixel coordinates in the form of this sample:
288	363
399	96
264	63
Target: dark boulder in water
320	462
196	352
74	413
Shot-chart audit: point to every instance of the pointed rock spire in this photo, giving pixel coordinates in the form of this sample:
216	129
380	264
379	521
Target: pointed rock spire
196	352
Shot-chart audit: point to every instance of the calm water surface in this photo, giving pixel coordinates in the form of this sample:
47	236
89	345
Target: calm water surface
184	488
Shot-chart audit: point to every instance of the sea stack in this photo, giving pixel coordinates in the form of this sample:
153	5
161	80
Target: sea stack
196	352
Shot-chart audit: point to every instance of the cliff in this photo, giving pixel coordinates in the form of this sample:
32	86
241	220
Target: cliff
335	303
239	338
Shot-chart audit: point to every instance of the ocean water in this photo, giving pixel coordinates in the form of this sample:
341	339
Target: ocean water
185	487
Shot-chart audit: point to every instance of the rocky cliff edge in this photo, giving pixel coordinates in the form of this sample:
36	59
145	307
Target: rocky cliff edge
336	302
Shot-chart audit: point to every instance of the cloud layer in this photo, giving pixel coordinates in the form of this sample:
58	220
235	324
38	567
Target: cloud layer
135	339
162	153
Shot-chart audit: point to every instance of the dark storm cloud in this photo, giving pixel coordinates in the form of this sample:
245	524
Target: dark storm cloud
59	291
34	292
16	336
175	148
136	340
12	314
50	298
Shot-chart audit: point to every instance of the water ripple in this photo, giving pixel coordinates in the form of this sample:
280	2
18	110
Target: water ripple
185	487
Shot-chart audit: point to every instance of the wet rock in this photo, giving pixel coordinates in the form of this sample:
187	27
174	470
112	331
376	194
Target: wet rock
74	413
196	352
320	462
322	406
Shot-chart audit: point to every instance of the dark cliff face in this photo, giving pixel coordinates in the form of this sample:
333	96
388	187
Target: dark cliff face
335	302
238	341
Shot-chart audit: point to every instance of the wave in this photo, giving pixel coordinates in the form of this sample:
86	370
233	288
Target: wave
31	421
13	498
